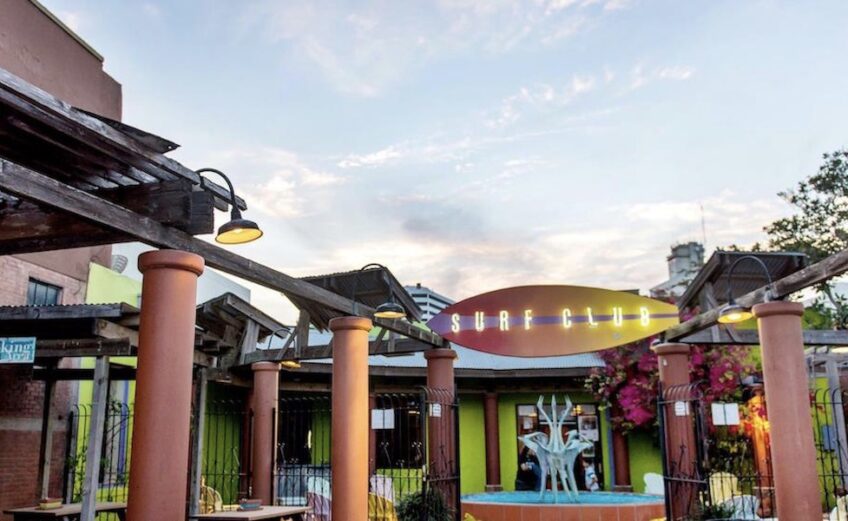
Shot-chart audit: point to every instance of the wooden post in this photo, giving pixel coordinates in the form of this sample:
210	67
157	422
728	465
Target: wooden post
46	448
197	443
99	401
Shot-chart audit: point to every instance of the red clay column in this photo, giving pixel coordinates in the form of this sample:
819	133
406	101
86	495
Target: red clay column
621	458
350	418
680	446
793	452
160	439
264	402
440	380
493	446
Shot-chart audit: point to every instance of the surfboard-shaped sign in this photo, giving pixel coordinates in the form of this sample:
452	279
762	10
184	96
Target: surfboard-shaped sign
534	321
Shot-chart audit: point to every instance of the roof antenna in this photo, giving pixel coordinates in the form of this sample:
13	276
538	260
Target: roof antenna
703	227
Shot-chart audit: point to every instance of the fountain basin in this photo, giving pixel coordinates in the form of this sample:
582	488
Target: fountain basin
591	506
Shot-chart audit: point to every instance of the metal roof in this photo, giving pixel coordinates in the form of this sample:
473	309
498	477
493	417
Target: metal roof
370	287
747	276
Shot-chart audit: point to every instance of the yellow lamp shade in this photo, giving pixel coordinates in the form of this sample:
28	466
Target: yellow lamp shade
390	310
238	231
734	314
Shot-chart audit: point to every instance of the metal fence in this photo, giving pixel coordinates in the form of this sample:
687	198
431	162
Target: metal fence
408	431
225	465
115	453
728	473
828	407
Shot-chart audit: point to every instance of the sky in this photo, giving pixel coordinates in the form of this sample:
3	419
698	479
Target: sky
472	145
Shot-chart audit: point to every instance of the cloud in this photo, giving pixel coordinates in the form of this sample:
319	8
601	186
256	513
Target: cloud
281	184
75	20
364	48
377	158
152	10
540	96
639	77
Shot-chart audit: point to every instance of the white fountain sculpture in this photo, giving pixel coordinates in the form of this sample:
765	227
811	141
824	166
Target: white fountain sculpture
556	456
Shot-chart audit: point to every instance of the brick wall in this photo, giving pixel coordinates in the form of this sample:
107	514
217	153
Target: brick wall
22	399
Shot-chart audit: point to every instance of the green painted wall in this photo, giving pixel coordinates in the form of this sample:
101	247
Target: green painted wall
106	287
644	457
472	445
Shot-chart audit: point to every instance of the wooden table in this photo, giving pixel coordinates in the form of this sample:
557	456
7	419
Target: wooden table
68	512
267	512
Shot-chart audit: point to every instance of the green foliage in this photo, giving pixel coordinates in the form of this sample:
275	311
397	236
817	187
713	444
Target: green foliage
709	512
412	506
819	228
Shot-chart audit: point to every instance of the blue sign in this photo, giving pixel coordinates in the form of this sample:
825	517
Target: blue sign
17	350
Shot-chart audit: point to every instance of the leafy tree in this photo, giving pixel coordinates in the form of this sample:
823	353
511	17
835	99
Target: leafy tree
819	228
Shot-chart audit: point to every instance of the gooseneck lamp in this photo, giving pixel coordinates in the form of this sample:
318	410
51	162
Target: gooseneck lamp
238	230
389	309
733	313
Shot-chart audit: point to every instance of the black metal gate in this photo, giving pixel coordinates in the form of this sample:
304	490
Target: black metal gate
728	474
414	470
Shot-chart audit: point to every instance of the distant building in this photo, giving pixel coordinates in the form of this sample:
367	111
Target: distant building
430	302
683	263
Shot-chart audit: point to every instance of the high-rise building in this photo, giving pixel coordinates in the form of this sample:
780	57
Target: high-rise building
683	264
430	302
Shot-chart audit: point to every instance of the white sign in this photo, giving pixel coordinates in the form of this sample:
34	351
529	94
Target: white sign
725	413
681	408
435	410
588	427
382	419
17	350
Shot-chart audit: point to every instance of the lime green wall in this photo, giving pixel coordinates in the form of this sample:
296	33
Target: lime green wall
644	457
106	287
472	445
509	435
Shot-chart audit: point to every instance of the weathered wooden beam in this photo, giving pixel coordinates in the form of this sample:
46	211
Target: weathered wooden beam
826	269
65	312
90	132
91	479
45	349
116	373
25	183
105	329
813	337
375	347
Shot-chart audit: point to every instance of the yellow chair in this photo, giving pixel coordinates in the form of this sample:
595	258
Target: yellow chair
381	509
723	487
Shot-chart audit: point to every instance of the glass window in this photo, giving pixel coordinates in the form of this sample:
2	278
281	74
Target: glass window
42	294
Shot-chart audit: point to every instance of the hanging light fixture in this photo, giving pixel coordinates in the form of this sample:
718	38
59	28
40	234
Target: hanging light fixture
286	364
237	230
389	309
733	313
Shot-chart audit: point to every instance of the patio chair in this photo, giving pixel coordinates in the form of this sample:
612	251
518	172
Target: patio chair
840	511
654	484
210	499
723	487
319	499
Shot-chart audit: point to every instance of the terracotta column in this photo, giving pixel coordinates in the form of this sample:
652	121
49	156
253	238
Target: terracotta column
350	417
680	448
440	381
264	402
621	458
160	438
793	451
493	446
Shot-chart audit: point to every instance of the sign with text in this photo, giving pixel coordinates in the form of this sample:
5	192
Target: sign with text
17	350
552	320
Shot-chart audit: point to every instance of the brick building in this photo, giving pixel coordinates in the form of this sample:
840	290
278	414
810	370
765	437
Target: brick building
37	47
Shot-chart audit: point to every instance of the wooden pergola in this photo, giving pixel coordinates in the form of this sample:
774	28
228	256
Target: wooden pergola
71	179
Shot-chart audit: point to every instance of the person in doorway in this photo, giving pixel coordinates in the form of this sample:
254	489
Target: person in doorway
529	475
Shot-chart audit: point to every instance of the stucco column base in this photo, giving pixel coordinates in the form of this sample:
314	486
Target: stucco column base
440	380
793	452
161	426
264	402
680	448
350	418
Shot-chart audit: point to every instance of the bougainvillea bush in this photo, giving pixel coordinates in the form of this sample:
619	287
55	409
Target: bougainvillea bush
628	383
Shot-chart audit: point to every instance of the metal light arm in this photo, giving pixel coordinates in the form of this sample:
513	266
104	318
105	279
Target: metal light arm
235	212
768	295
